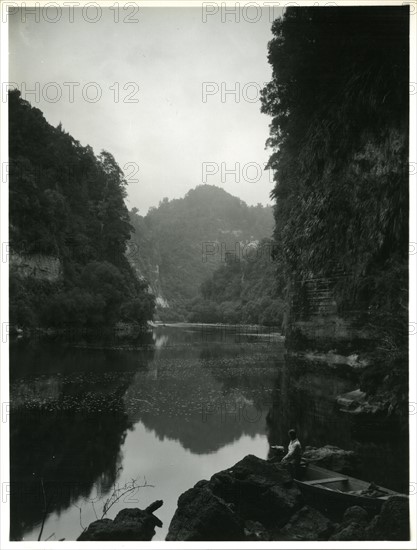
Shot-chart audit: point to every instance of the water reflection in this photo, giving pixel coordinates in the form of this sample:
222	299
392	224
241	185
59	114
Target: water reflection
172	406
90	414
199	391
67	426
305	398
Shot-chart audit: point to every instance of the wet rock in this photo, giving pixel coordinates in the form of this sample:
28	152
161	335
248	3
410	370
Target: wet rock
244	502
351	400
201	515
332	458
259	490
254	530
357	514
306	524
129	524
393	523
354	523
256	500
353	531
334	359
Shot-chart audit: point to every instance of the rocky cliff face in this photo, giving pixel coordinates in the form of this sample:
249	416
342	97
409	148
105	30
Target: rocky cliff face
317	315
146	271
37	266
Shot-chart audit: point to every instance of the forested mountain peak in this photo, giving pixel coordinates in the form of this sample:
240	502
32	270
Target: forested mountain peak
182	241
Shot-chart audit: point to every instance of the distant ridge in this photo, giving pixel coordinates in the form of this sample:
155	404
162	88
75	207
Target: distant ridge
179	244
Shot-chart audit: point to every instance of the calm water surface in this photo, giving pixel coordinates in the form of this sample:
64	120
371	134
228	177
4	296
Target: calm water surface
167	409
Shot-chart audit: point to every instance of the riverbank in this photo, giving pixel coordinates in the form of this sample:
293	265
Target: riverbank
381	394
257	500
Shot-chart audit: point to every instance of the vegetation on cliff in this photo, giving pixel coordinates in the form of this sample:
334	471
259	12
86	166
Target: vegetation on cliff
339	133
179	244
68	203
242	290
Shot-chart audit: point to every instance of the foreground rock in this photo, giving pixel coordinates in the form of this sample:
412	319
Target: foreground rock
129	524
201	515
391	524
258	490
306	524
257	500
333	458
353	526
245	502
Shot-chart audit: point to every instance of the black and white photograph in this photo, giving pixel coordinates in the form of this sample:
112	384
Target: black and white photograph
209	252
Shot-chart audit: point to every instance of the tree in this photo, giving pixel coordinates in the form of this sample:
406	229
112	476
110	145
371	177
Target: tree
339	135
69	203
339	99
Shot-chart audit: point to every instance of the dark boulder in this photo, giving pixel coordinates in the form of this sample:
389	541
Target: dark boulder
306	524
257	500
353	525
129	524
259	490
351	531
241	503
355	514
254	530
201	515
393	523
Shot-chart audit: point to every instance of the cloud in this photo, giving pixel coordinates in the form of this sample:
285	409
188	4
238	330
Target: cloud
166	56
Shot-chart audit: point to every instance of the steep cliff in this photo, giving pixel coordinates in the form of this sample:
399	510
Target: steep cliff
37	266
69	227
339	101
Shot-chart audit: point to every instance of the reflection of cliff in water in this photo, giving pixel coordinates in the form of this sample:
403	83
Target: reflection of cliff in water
202	398
305	399
67	425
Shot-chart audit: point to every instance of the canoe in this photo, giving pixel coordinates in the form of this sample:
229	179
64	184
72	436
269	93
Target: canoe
341	490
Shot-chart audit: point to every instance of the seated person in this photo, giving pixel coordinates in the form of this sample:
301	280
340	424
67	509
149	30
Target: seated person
293	457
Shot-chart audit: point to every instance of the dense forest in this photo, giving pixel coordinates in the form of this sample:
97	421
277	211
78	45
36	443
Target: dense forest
67	203
242	290
339	137
179	244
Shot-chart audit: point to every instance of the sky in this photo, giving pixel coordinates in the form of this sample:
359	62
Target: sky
172	93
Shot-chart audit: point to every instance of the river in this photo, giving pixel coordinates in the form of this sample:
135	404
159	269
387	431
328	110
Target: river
166	408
